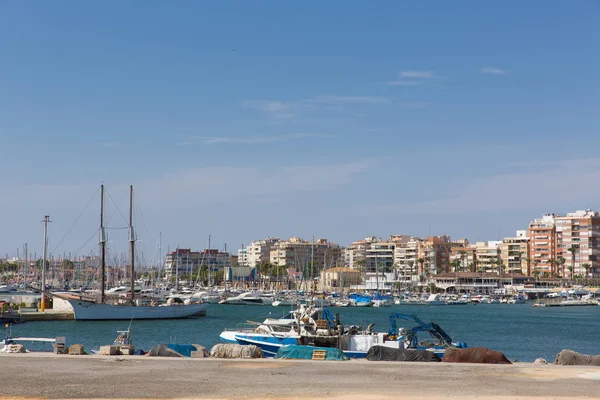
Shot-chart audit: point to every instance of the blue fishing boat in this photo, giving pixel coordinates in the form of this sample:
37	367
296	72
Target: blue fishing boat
352	340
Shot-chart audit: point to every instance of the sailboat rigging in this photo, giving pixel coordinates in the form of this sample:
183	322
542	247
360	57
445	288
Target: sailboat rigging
103	309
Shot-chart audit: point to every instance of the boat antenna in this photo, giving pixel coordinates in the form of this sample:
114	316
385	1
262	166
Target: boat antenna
132	244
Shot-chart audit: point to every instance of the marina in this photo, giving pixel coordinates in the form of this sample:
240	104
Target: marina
520	331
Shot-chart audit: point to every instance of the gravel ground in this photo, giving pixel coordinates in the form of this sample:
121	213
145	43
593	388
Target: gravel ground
58	377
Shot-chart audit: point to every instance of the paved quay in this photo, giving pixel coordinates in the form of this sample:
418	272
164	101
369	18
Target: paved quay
35	376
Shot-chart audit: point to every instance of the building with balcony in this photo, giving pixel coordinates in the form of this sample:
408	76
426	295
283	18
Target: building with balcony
487	256
542	245
514	252
185	261
577	239
256	253
309	257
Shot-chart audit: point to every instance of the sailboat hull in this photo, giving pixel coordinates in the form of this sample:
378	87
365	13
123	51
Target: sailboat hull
87	310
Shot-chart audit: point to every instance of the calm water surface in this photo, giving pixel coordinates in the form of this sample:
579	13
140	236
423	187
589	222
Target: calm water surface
520	331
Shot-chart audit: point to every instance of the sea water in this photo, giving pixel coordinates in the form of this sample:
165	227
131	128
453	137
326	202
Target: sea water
520	331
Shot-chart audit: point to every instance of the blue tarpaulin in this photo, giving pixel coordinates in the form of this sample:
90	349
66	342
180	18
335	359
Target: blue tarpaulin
295	352
183	349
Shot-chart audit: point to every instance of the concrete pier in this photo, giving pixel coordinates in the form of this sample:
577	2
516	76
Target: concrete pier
137	377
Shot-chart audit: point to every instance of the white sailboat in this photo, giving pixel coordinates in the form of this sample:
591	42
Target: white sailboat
93	309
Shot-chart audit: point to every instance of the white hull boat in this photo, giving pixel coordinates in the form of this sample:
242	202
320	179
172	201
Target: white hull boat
89	310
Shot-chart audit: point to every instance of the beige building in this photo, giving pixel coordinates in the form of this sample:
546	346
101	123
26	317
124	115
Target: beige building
514	252
355	255
487	255
463	258
577	238
309	257
338	278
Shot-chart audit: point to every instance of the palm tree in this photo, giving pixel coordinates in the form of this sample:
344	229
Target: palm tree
552	263
528	261
455	264
571	272
561	263
572	250
586	267
499	264
536	271
421	261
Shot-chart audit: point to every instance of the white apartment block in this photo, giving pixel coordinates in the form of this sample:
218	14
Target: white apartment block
256	253
406	256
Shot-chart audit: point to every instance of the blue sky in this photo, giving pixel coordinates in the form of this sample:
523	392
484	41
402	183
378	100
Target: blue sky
338	119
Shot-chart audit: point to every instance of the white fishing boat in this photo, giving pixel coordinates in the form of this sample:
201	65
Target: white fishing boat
130	307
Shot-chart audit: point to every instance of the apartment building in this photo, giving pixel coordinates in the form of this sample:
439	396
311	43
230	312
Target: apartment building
380	257
406	258
514	252
577	238
185	261
355	255
310	257
435	251
542	245
256	253
487	256
463	258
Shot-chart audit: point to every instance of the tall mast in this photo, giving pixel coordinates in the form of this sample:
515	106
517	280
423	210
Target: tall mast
102	247
208	254
25	266
312	261
132	243
43	302
159	261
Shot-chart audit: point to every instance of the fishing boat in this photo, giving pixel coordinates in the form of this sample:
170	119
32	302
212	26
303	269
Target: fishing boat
352	340
290	325
11	344
87	308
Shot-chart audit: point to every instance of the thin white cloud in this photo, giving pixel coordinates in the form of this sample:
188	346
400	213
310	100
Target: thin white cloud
517	191
492	71
419	75
275	109
261	139
403	82
336	99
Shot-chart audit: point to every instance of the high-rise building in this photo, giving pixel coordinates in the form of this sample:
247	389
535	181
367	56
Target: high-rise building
185	262
542	245
488	256
256	253
309	257
515	253
577	239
